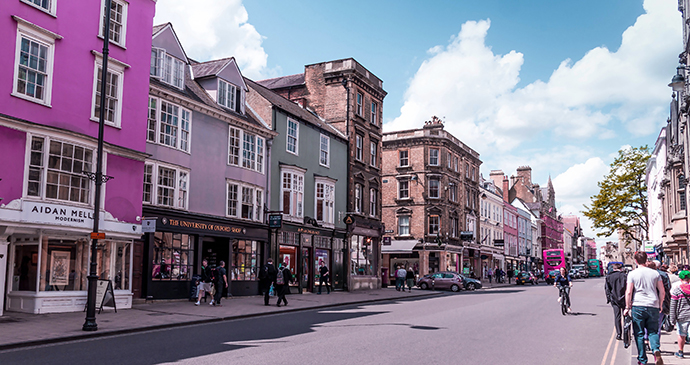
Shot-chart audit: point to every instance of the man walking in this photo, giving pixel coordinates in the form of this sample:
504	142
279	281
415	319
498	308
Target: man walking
221	283
283	278
204	283
267	275
324	278
400	276
489	273
615	285
644	288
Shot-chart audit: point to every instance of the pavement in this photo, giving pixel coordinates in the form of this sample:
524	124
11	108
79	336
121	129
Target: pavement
23	329
669	345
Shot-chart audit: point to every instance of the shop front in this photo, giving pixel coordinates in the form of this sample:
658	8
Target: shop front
398	253
49	256
305	249
364	255
178	243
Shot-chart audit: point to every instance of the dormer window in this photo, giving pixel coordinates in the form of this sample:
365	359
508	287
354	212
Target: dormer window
226	94
167	68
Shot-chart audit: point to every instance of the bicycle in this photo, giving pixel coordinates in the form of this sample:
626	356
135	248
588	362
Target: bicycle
565	299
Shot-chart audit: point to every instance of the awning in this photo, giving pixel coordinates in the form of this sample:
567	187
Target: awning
399	246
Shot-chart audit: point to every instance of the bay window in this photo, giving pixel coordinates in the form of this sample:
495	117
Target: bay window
244	201
292	192
325	201
249	146
171	123
166	185
167	68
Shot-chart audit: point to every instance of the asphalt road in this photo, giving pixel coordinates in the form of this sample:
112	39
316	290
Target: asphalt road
516	325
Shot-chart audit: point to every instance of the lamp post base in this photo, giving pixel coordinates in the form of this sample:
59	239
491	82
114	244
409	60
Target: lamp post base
90	325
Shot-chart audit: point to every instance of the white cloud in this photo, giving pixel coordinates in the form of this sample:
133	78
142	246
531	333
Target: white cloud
212	29
474	90
578	183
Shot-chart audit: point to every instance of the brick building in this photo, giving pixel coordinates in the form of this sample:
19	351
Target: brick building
350	98
430	196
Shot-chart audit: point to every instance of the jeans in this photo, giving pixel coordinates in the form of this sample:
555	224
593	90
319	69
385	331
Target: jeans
399	283
645	318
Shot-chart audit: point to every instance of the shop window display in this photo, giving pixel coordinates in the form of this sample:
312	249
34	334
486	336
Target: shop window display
64	264
361	255
25	267
244	264
173	256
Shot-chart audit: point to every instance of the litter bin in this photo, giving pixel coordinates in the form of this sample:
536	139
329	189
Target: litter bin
384	277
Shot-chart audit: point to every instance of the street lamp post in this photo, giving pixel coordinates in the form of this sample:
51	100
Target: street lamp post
678	86
90	321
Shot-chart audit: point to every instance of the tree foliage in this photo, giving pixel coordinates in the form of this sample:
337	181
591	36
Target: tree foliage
621	203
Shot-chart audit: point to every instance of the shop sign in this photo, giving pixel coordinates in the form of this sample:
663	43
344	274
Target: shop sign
348	220
308	231
148	226
65	215
386	241
202	226
275	221
499	243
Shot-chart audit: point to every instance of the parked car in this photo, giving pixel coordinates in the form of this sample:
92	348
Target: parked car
448	280
470	283
551	277
584	273
574	274
525	277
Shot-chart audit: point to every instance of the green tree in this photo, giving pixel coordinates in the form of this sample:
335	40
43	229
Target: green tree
621	203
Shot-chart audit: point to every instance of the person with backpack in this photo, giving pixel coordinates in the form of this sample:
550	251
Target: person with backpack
680	309
283	278
205	282
267	276
615	285
667	297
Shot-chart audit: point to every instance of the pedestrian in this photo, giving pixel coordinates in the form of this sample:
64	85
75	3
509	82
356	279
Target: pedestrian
400	276
644	288
221	284
680	309
267	276
667	297
410	278
324	278
283	279
510	275
489	273
673	274
616	282
204	283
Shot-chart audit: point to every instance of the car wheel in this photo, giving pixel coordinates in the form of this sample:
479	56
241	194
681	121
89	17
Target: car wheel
424	286
470	286
455	288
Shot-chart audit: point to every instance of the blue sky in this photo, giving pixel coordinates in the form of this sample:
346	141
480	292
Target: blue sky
560	86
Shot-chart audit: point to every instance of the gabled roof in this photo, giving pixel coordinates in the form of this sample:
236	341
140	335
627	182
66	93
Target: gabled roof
161	28
215	67
292	108
283	81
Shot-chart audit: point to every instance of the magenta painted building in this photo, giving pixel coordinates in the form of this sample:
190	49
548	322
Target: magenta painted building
510	235
49	104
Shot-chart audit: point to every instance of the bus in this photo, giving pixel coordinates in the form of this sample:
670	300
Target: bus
554	259
594	267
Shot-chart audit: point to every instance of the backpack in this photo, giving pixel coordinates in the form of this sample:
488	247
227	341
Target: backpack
280	280
263	273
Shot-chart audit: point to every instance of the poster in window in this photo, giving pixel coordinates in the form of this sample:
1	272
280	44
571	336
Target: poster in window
59	267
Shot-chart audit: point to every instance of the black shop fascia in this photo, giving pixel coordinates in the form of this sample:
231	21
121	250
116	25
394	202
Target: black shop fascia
172	255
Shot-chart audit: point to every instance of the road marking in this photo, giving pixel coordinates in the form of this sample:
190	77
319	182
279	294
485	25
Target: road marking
606	354
615	352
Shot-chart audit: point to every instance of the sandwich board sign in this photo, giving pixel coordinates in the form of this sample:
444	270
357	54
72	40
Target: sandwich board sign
105	297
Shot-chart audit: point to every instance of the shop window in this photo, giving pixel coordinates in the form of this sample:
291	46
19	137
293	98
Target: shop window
173	256
244	264
25	268
362	255
64	264
288	254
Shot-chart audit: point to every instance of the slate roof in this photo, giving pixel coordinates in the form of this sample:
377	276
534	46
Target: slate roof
157	28
210	68
292	108
283	81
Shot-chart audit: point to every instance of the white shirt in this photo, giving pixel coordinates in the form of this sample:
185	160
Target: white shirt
644	282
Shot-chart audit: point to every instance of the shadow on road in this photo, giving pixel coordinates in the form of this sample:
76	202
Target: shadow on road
582	314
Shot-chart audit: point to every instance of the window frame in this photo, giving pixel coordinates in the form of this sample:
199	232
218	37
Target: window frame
226	87
327	152
101	23
406	182
328	211
358	198
114	67
359	147
438	187
373	202
374	113
295	137
50	10
437	224
437	157
257	204
258	152
43	37
407	158
296	193
359	102
179	128
44	167
156	165
373	152
400	217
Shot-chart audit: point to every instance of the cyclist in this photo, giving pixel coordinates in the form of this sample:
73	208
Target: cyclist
564	283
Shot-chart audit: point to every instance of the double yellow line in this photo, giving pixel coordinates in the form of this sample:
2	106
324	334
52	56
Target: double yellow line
608	349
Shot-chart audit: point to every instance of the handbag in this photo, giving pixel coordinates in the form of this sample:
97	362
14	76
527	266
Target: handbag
271	291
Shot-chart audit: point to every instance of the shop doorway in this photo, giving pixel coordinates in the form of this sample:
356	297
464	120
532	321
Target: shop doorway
306	269
137	268
288	256
215	250
321	257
